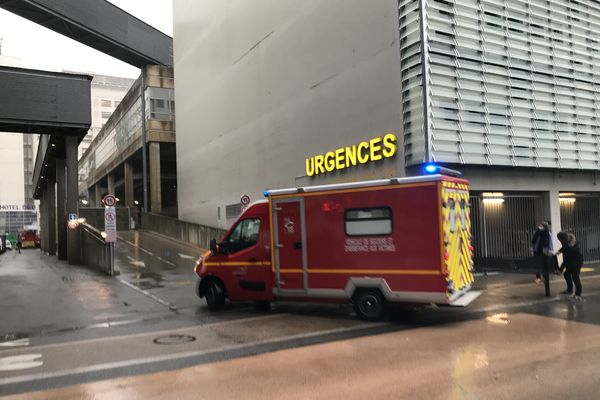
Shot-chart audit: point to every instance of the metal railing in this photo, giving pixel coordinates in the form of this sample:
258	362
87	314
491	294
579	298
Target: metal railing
95	251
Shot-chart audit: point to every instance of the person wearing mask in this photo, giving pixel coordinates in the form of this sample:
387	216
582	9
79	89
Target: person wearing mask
541	248
572	263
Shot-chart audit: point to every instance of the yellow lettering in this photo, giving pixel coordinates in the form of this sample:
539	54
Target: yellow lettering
339	159
363	146
329	161
350	156
389	145
319	165
310	166
375	147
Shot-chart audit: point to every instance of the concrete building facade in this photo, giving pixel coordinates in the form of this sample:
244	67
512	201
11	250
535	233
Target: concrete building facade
508	93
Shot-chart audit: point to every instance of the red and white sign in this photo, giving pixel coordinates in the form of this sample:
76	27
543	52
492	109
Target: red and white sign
109	200
110	224
245	200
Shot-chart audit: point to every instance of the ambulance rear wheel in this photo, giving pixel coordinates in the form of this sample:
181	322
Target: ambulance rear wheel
369	305
215	295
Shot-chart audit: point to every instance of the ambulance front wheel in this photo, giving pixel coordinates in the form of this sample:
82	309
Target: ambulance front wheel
215	295
369	305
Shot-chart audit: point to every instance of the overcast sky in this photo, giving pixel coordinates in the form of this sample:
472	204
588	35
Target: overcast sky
41	48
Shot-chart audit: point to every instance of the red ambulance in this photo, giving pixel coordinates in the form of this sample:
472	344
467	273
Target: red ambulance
399	240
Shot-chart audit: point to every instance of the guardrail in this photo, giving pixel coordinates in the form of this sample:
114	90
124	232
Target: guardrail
95	251
189	232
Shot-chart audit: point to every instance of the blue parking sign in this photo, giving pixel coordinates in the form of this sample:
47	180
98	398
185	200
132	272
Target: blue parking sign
72	216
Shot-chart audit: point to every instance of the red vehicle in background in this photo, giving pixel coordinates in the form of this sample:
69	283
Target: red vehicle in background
29	238
399	240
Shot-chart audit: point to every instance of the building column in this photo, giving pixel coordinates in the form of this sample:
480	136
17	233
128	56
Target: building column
43	220
111	183
128	178
155	185
72	197
61	217
551	212
51	217
97	195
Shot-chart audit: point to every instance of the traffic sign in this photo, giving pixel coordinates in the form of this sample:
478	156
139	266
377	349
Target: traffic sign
245	200
72	216
109	200
110	224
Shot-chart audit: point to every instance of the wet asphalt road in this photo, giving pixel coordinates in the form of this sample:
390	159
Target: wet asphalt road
87	327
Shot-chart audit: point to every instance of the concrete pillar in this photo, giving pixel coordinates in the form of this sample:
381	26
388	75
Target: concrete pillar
97	195
155	186
51	217
551	212
72	197
111	183
43	220
61	216
128	178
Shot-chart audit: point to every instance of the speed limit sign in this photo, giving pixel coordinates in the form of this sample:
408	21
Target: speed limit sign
109	200
245	200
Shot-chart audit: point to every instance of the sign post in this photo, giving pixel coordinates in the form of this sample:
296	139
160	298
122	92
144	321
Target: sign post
110	218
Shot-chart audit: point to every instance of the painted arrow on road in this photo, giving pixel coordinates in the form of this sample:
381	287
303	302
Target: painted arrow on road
185	256
136	262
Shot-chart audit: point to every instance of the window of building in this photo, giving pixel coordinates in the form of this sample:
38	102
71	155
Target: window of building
106	114
233	210
368	221
244	235
116	103
105	103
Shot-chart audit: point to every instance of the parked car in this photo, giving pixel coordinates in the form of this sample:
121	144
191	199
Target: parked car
8	244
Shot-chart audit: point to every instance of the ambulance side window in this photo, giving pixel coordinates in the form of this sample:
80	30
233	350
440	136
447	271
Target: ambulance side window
368	221
244	235
463	214
451	204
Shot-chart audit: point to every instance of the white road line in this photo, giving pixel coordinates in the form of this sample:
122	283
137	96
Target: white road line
146	293
153	333
15	343
170	357
166	261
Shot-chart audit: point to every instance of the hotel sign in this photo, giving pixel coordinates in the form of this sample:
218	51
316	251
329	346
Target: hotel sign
15	207
345	157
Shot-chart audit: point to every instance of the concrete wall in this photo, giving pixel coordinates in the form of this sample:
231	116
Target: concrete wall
12	178
261	85
95	217
183	231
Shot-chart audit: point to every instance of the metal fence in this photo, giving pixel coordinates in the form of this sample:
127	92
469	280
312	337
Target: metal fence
502	229
581	215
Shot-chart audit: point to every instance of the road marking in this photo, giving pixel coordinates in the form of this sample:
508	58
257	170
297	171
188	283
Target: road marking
188	354
136	262
15	343
22	361
155	333
166	261
146	293
188	257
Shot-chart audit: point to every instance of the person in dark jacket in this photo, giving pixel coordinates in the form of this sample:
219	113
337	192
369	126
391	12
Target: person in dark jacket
572	263
541	248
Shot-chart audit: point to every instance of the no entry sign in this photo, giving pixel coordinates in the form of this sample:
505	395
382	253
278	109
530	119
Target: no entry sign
245	200
110	224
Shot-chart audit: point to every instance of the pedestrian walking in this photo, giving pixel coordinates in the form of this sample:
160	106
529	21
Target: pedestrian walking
541	248
572	263
19	244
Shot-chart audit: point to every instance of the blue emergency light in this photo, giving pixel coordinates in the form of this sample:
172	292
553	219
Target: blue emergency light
266	193
431	168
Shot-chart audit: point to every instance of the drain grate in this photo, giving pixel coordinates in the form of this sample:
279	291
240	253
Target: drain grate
174	339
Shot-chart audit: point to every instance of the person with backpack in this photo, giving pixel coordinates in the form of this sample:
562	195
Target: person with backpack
572	263
541	248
